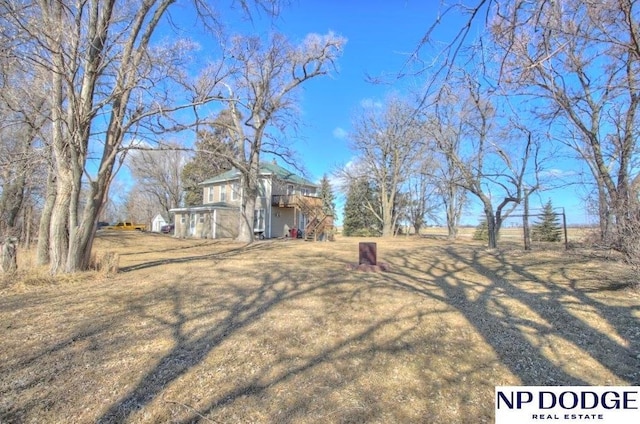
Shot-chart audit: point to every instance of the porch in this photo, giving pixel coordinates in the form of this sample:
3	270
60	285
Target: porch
308	215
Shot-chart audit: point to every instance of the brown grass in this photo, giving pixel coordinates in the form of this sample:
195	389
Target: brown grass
281	332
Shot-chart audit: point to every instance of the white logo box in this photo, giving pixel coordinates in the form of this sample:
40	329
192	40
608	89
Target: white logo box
567	404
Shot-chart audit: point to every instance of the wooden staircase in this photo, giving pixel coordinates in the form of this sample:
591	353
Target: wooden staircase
319	224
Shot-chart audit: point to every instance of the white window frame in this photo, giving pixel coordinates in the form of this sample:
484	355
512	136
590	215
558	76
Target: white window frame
210	198
235	191
262	188
223	193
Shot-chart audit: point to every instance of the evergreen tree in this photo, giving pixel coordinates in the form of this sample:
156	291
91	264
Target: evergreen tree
328	199
359	220
547	228
482	231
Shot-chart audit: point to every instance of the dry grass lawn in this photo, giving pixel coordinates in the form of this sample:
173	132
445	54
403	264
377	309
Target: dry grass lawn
281	332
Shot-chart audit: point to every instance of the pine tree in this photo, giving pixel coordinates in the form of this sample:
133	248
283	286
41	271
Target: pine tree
482	231
328	199
359	220
547	228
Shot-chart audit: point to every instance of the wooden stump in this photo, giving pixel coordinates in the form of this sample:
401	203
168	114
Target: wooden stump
9	255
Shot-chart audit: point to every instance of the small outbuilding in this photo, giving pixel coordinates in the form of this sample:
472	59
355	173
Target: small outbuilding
157	223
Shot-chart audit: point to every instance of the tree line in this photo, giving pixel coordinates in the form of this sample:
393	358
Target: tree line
542	81
86	86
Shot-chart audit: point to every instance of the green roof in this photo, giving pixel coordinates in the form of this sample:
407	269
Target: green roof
266	168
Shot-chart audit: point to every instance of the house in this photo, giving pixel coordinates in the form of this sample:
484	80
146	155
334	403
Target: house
285	204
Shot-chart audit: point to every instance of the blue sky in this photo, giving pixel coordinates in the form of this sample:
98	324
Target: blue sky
381	34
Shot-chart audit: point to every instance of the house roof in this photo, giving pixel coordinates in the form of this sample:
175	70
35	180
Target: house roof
266	168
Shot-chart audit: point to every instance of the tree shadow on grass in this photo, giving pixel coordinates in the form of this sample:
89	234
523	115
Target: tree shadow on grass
189	350
225	254
238	307
523	342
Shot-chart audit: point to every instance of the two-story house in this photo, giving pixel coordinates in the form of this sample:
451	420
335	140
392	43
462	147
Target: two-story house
286	203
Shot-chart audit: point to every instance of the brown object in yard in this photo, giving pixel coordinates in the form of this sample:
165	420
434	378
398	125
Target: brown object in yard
379	267
368	254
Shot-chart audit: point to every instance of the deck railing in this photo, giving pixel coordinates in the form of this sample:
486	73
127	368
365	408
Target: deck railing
294	200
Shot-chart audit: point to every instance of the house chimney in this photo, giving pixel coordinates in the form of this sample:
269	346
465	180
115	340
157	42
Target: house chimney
274	161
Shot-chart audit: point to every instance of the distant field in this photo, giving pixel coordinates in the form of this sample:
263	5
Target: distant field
575	234
282	332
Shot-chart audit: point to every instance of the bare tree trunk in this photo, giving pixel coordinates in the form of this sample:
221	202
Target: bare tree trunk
604	213
454	202
250	192
387	218
491	229
525	222
9	255
42	250
59	227
27	220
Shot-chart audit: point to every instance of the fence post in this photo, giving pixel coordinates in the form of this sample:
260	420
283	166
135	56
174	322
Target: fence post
564	226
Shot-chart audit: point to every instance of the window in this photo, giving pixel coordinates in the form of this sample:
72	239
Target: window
183	219
262	187
235	191
223	193
210	194
289	188
201	219
258	220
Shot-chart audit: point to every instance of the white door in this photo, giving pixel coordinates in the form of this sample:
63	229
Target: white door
258	221
193	218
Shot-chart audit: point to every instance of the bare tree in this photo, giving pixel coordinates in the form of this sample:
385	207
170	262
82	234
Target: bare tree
387	141
580	60
212	149
24	112
583	59
156	173
483	155
139	206
446	131
261	102
421	189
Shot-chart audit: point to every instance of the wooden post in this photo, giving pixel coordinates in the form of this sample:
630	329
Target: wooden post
525	222
9	255
564	226
368	254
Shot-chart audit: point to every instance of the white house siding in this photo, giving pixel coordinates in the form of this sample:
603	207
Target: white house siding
207	223
279	218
